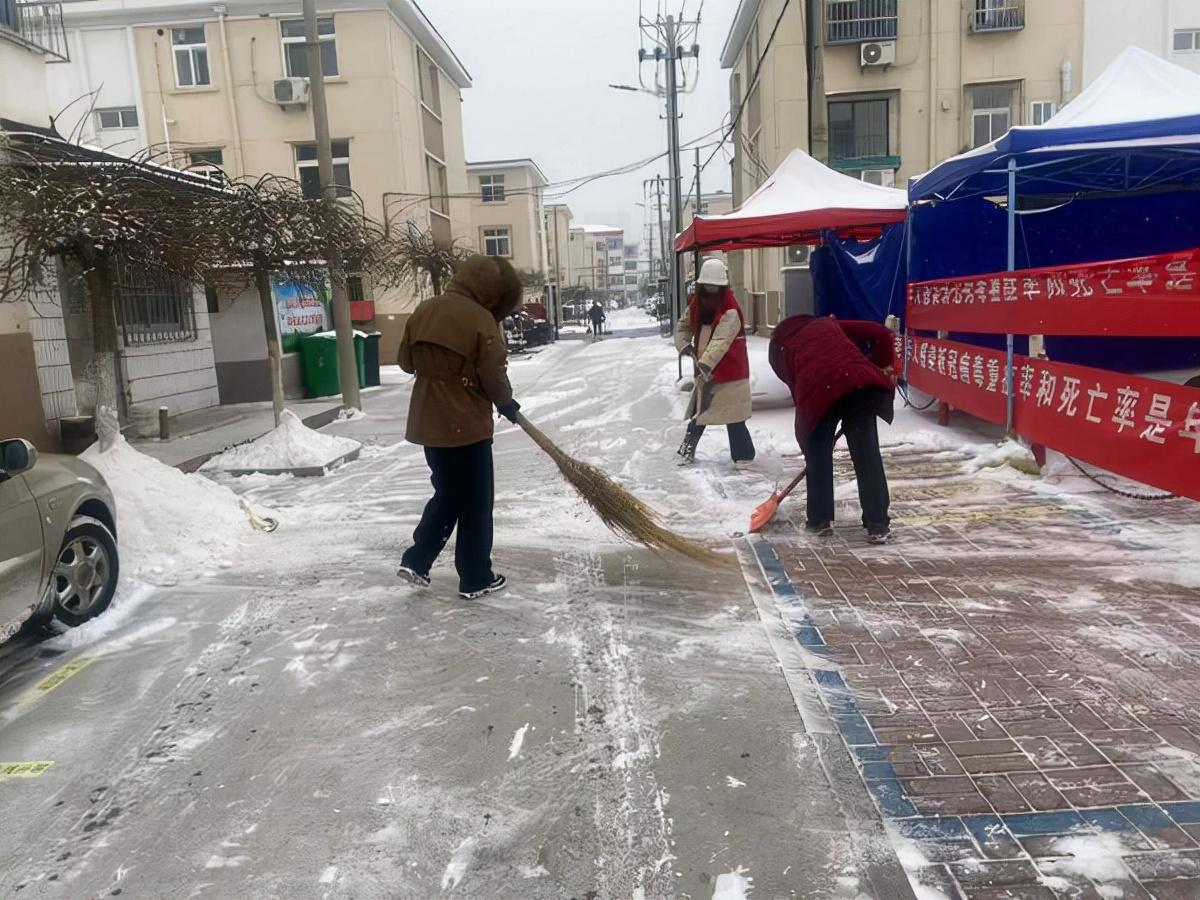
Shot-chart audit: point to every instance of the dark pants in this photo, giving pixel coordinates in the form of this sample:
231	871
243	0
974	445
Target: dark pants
741	445
463	491
857	413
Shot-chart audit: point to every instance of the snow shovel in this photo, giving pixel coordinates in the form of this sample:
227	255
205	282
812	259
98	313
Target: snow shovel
766	511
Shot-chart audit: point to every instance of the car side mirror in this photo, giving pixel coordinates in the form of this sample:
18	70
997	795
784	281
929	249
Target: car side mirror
16	456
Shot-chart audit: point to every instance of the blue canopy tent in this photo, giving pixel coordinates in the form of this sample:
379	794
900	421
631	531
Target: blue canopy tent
1115	174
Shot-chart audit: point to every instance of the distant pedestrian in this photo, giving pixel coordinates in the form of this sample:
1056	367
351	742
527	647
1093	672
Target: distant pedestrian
713	334
839	373
597	316
454	345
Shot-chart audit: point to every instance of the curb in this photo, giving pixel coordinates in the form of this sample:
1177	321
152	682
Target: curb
316	420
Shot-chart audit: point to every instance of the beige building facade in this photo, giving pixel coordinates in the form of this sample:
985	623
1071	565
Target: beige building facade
557	226
907	85
225	88
507	214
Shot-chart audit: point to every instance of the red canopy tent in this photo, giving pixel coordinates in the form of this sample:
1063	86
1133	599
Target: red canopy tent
799	201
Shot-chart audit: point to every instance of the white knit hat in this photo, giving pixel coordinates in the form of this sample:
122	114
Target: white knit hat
713	272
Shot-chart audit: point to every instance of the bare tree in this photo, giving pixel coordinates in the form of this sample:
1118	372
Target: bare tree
100	212
418	254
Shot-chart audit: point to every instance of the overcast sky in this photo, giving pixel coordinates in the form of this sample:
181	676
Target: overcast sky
541	70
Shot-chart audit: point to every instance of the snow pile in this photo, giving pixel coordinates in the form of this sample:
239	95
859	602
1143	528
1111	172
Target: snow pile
1010	453
735	885
1096	857
169	524
290	445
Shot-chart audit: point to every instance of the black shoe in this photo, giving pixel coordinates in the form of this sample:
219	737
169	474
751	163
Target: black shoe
878	534
498	584
413	577
820	529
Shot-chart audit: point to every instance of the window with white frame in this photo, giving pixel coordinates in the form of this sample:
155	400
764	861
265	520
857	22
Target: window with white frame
497	241
991	111
295	52
427	79
439	185
491	188
1187	40
309	176
117	117
207	163
1041	111
191	57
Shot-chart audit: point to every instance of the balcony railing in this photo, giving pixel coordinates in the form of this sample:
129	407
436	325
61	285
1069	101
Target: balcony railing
856	21
37	25
998	15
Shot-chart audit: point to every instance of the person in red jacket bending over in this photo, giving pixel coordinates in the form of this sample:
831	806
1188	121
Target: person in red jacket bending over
839	373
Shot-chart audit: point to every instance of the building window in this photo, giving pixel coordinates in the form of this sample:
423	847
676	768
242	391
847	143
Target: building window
1187	40
427	78
212	299
497	241
295	53
1041	111
191	57
354	289
310	177
614	243
153	311
117	117
998	15
858	129
491	188
855	21
631	265
439	187
207	163
991	112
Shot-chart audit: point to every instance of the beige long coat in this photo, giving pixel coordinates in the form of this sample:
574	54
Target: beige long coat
730	401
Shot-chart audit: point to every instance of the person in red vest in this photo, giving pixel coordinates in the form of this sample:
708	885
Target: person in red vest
839	373
713	333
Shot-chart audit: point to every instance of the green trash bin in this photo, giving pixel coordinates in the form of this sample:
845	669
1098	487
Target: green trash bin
318	354
371	360
360	353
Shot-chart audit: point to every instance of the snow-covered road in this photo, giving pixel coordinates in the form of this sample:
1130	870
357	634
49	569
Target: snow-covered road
289	722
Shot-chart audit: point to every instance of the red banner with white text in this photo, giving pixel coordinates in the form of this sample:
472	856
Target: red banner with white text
1137	427
1151	296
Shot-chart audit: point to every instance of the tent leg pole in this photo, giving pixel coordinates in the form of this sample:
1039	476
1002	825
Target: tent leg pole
1009	380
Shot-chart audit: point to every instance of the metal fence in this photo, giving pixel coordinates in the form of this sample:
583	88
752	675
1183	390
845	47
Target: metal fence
855	21
998	15
154	311
39	25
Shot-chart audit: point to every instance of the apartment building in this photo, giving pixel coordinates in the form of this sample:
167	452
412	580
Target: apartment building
223	89
557	226
715	204
1167	28
507	215
164	343
597	260
906	85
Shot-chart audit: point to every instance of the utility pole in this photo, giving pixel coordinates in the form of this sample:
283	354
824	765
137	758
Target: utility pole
818	109
669	36
347	361
662	240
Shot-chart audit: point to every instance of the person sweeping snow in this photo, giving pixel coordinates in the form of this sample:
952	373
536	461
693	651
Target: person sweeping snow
454	346
713	333
839	372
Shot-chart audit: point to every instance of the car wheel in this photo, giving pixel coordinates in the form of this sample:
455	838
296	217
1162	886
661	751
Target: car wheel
84	577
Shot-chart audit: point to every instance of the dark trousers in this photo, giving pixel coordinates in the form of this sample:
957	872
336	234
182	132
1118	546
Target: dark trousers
463	492
741	445
857	413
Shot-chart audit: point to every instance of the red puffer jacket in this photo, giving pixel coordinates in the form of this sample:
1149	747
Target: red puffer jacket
821	360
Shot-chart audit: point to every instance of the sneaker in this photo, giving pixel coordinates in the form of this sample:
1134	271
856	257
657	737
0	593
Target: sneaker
413	577
878	534
498	584
820	529
744	465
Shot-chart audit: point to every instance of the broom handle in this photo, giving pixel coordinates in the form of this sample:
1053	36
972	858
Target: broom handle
796	481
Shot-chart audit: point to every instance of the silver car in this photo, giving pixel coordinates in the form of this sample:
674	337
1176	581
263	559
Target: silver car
58	544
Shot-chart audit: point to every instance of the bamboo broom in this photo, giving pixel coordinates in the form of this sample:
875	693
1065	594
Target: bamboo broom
623	513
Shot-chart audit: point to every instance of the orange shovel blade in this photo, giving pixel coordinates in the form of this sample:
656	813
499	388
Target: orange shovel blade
765	513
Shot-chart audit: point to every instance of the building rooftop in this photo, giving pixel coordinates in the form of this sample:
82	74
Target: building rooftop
599	229
521	163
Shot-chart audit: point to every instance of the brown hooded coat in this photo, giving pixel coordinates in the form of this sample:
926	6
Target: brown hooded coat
453	344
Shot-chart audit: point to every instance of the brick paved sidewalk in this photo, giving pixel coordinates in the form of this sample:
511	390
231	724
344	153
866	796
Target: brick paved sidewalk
1021	696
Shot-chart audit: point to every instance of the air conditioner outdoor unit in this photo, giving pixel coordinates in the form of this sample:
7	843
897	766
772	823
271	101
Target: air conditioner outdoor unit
885	177
877	53
291	91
